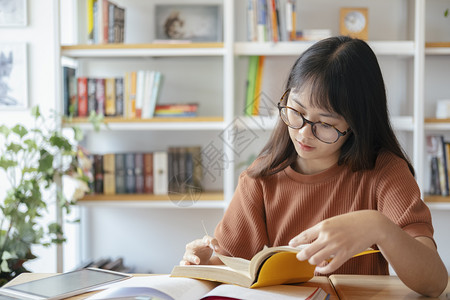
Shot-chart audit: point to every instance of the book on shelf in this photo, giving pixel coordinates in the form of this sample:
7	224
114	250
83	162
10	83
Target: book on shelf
160	173
91	88
174	110
119	92
251	82
258	86
438	161
270	266
105	22
165	287
148	173
98	173
110	96
70	104
100	96
109	174
120	173
130	178
82	97
139	172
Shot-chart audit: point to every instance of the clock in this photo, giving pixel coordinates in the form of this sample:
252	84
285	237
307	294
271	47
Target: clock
354	22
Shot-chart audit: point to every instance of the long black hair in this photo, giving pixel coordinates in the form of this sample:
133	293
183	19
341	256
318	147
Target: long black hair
343	76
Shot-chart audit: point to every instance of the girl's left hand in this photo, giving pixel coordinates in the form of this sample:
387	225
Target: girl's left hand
340	238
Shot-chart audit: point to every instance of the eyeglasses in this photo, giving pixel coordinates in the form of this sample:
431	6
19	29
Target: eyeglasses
322	131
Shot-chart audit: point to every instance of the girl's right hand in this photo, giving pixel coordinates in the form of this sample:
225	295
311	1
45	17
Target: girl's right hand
199	252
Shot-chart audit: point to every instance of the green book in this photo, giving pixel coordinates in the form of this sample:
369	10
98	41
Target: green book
251	81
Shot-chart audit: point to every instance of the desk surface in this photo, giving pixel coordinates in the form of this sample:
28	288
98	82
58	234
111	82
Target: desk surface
376	288
318	281
342	287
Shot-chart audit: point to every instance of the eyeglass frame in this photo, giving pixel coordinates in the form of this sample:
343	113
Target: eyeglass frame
306	121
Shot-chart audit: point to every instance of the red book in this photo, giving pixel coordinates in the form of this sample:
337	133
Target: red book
82	97
148	173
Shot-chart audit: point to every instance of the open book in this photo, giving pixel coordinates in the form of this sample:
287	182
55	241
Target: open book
163	287
270	266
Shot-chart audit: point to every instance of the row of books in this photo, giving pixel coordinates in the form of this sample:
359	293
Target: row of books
133	96
178	170
268	21
438	151
105	22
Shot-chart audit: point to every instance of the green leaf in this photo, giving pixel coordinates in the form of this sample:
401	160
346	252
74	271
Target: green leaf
7	163
6	255
60	142
45	162
31	144
13	147
35	111
5	130
20	130
78	133
4	266
446	13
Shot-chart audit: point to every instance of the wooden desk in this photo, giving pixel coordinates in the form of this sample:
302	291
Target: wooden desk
376	287
344	287
320	281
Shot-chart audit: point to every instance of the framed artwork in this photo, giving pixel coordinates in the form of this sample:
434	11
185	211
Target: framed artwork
13	76
13	13
196	23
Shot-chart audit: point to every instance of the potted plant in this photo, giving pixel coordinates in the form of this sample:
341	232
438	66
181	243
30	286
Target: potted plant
34	161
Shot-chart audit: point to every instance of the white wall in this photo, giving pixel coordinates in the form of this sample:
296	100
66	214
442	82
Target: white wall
40	37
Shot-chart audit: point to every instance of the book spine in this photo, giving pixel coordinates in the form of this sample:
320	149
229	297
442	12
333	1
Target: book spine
262	22
100	96
90	21
258	86
160	173
140	92
98	173
69	91
82	97
111	7
92	103
105	20
130	179
132	102
148	173
251	81
110	92
119	97
155	92
109	180
120	173
139	172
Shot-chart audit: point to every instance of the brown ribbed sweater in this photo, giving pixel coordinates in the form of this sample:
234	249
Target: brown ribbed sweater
272	210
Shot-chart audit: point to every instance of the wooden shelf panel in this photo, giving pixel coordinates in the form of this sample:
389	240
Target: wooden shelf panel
113	123
206	196
207	200
437	48
142	50
403	48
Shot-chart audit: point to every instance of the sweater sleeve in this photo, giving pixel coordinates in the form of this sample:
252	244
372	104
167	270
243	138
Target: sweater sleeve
242	231
399	199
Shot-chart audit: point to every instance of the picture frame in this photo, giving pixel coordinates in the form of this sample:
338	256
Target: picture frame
188	22
13	76
13	13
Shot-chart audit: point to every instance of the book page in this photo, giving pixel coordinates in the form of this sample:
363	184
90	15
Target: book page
174	287
236	263
279	292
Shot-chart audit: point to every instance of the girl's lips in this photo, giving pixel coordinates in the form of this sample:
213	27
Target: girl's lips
305	147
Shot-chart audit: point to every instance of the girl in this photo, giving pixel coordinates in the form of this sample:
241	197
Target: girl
334	175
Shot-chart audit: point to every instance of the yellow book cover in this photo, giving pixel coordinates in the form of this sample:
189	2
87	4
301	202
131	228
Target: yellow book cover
270	266
110	101
90	20
109	177
132	102
258	86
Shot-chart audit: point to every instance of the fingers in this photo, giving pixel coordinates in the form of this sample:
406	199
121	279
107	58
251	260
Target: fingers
199	251
305	237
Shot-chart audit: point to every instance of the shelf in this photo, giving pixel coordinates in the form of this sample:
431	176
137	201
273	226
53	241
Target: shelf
437	124
117	123
143	50
203	200
437	48
403	48
437	202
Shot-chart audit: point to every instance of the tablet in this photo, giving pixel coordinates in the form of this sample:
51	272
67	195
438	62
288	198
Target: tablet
62	285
